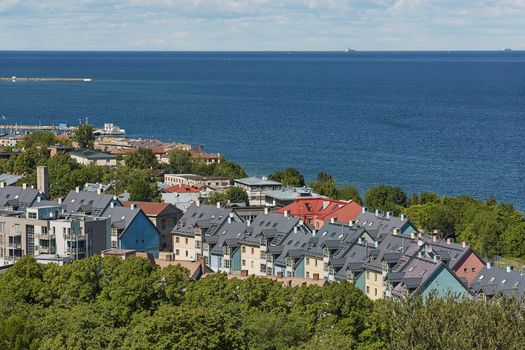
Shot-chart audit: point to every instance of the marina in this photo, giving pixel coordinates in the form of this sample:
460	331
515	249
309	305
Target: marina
108	129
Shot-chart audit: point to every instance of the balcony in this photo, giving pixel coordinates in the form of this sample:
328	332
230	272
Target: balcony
74	237
75	251
15	245
45	236
14	234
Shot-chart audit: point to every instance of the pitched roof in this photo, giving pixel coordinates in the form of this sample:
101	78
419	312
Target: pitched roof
19	197
74	200
492	280
323	209
382	222
201	213
149	208
91	154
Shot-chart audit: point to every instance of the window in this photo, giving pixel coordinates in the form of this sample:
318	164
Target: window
315	263
227	263
243	262
177	240
307	261
307	274
473	269
177	252
465	269
367	290
186	240
503	281
253	251
375	279
368	275
31	215
244	249
375	292
186	253
492	279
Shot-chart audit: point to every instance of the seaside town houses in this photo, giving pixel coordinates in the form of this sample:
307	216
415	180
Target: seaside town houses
291	235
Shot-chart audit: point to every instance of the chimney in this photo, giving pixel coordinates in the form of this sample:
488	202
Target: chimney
42	179
434	258
364	209
203	265
112	205
376	244
404	217
218	205
389	214
99	191
229	220
449	241
464	244
198	203
248	222
332	220
510	268
2	184
24	186
39	199
295	229
274	202
286	213
201	148
266	211
315	276
413	235
396	231
132	206
360	240
378	212
60	200
77	189
434	238
489	265
301	223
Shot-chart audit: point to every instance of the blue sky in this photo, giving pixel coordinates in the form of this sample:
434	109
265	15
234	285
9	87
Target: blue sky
261	24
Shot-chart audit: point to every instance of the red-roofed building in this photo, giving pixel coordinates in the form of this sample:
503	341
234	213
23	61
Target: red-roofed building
181	189
163	215
317	211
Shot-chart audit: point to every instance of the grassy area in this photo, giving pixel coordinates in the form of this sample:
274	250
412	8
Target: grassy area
516	262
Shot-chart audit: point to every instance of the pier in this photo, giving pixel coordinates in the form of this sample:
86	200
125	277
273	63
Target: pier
67	80
18	127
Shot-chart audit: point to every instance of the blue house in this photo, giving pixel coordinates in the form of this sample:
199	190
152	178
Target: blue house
132	229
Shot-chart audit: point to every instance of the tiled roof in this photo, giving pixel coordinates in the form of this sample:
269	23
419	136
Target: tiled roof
181	189
323	209
149	208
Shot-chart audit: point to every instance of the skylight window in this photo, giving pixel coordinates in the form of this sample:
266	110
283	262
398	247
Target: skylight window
422	272
73	200
503	281
370	224
324	233
515	285
492	279
340	236
410	268
481	277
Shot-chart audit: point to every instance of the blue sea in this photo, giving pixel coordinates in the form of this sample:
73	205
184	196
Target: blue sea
449	122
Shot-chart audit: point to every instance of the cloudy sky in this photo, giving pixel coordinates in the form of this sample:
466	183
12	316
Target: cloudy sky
262	24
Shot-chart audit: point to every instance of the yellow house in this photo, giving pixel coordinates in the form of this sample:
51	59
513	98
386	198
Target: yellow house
313	265
251	259
374	285
184	247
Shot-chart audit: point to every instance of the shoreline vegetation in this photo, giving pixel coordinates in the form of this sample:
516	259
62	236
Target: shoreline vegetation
494	229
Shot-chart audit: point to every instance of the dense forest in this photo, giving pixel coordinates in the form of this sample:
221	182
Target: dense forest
108	303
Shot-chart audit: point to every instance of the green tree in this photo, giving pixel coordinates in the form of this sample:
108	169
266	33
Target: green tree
180	162
143	158
229	169
385	198
349	192
237	195
144	191
41	138
84	136
324	184
288	177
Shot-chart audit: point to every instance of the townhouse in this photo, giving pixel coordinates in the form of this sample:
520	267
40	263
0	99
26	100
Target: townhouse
164	216
492	281
218	183
384	222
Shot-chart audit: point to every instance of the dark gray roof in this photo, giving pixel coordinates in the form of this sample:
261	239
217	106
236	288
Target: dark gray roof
412	282
99	202
9	179
381	222
91	154
121	217
395	277
207	217
230	234
22	198
493	280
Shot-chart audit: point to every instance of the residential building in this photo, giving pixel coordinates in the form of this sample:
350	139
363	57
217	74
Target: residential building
181	196
318	211
85	157
208	158
287	195
492	281
164	216
257	188
132	229
9	179
218	183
